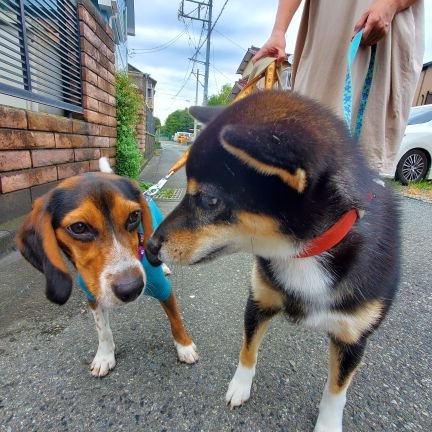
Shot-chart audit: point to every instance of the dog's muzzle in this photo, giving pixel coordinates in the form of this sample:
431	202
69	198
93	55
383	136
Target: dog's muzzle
152	250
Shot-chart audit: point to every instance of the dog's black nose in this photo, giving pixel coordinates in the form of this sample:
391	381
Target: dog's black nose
126	287
152	250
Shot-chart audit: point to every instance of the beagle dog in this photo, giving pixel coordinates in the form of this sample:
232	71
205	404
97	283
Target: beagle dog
101	222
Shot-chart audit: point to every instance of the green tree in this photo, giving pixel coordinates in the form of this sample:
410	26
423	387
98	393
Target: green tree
178	121
222	98
157	123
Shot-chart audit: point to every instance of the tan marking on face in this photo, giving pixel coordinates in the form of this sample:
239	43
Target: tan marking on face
334	371
91	257
255	224
263	292
249	352
87	212
182	244
192	186
40	221
351	330
297	181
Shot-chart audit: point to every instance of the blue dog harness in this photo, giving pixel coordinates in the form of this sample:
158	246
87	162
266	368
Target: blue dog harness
158	285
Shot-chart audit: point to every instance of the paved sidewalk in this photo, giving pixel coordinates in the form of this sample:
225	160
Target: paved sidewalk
46	350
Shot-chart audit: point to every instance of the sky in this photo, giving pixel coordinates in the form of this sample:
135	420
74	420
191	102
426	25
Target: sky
164	43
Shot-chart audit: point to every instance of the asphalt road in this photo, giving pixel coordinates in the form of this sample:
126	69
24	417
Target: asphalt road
46	351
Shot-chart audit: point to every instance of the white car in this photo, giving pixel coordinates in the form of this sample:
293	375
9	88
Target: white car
415	152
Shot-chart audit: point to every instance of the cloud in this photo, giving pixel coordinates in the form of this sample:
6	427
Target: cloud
174	41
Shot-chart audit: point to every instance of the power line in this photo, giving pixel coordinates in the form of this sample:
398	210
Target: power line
232	41
217	70
162	46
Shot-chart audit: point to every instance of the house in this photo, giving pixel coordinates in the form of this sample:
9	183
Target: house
57	94
146	126
423	94
120	16
245	69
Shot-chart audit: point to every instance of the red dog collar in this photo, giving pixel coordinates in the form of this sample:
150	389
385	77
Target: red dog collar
334	234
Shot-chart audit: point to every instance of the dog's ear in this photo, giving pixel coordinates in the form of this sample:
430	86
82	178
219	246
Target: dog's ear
146	219
205	114
262	149
37	242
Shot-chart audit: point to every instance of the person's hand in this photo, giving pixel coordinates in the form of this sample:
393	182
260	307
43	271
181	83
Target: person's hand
376	21
274	47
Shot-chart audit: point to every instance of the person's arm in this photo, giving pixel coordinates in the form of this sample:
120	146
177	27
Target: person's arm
275	45
377	18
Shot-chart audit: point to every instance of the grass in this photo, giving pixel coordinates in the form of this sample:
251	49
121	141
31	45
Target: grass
422	188
422	185
165	193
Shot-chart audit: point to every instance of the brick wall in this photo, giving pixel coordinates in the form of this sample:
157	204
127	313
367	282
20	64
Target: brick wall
38	150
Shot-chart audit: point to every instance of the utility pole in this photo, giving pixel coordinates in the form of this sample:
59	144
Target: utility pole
207	69
199	14
196	96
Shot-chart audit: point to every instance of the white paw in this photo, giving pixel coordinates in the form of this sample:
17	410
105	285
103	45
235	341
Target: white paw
320	427
239	388
331	411
102	364
186	353
166	269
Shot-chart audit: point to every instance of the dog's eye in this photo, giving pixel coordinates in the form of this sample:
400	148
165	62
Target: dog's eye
80	231
209	202
133	220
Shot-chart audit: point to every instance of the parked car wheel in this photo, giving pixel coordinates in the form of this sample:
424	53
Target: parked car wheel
412	166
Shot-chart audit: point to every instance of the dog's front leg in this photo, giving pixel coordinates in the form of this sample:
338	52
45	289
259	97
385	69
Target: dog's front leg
343	362
104	360
255	325
186	349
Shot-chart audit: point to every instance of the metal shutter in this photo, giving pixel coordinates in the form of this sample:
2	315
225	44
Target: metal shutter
40	52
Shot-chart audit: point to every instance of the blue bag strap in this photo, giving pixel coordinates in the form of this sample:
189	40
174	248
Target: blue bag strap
348	91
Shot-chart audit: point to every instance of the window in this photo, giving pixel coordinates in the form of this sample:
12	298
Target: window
40	53
420	114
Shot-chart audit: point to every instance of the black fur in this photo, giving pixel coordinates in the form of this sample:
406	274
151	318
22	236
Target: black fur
58	284
246	158
349	357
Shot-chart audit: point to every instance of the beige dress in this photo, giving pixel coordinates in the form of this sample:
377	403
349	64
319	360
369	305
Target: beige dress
320	62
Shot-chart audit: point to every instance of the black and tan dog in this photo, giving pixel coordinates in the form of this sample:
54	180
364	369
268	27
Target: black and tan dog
94	219
279	176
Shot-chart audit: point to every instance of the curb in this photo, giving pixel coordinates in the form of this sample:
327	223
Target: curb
7	242
8	231
417	198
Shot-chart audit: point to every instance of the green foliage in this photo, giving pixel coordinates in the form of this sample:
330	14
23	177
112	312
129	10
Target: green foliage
178	121
128	101
222	98
166	193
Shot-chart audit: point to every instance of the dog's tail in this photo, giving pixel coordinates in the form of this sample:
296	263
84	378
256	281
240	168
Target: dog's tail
104	165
